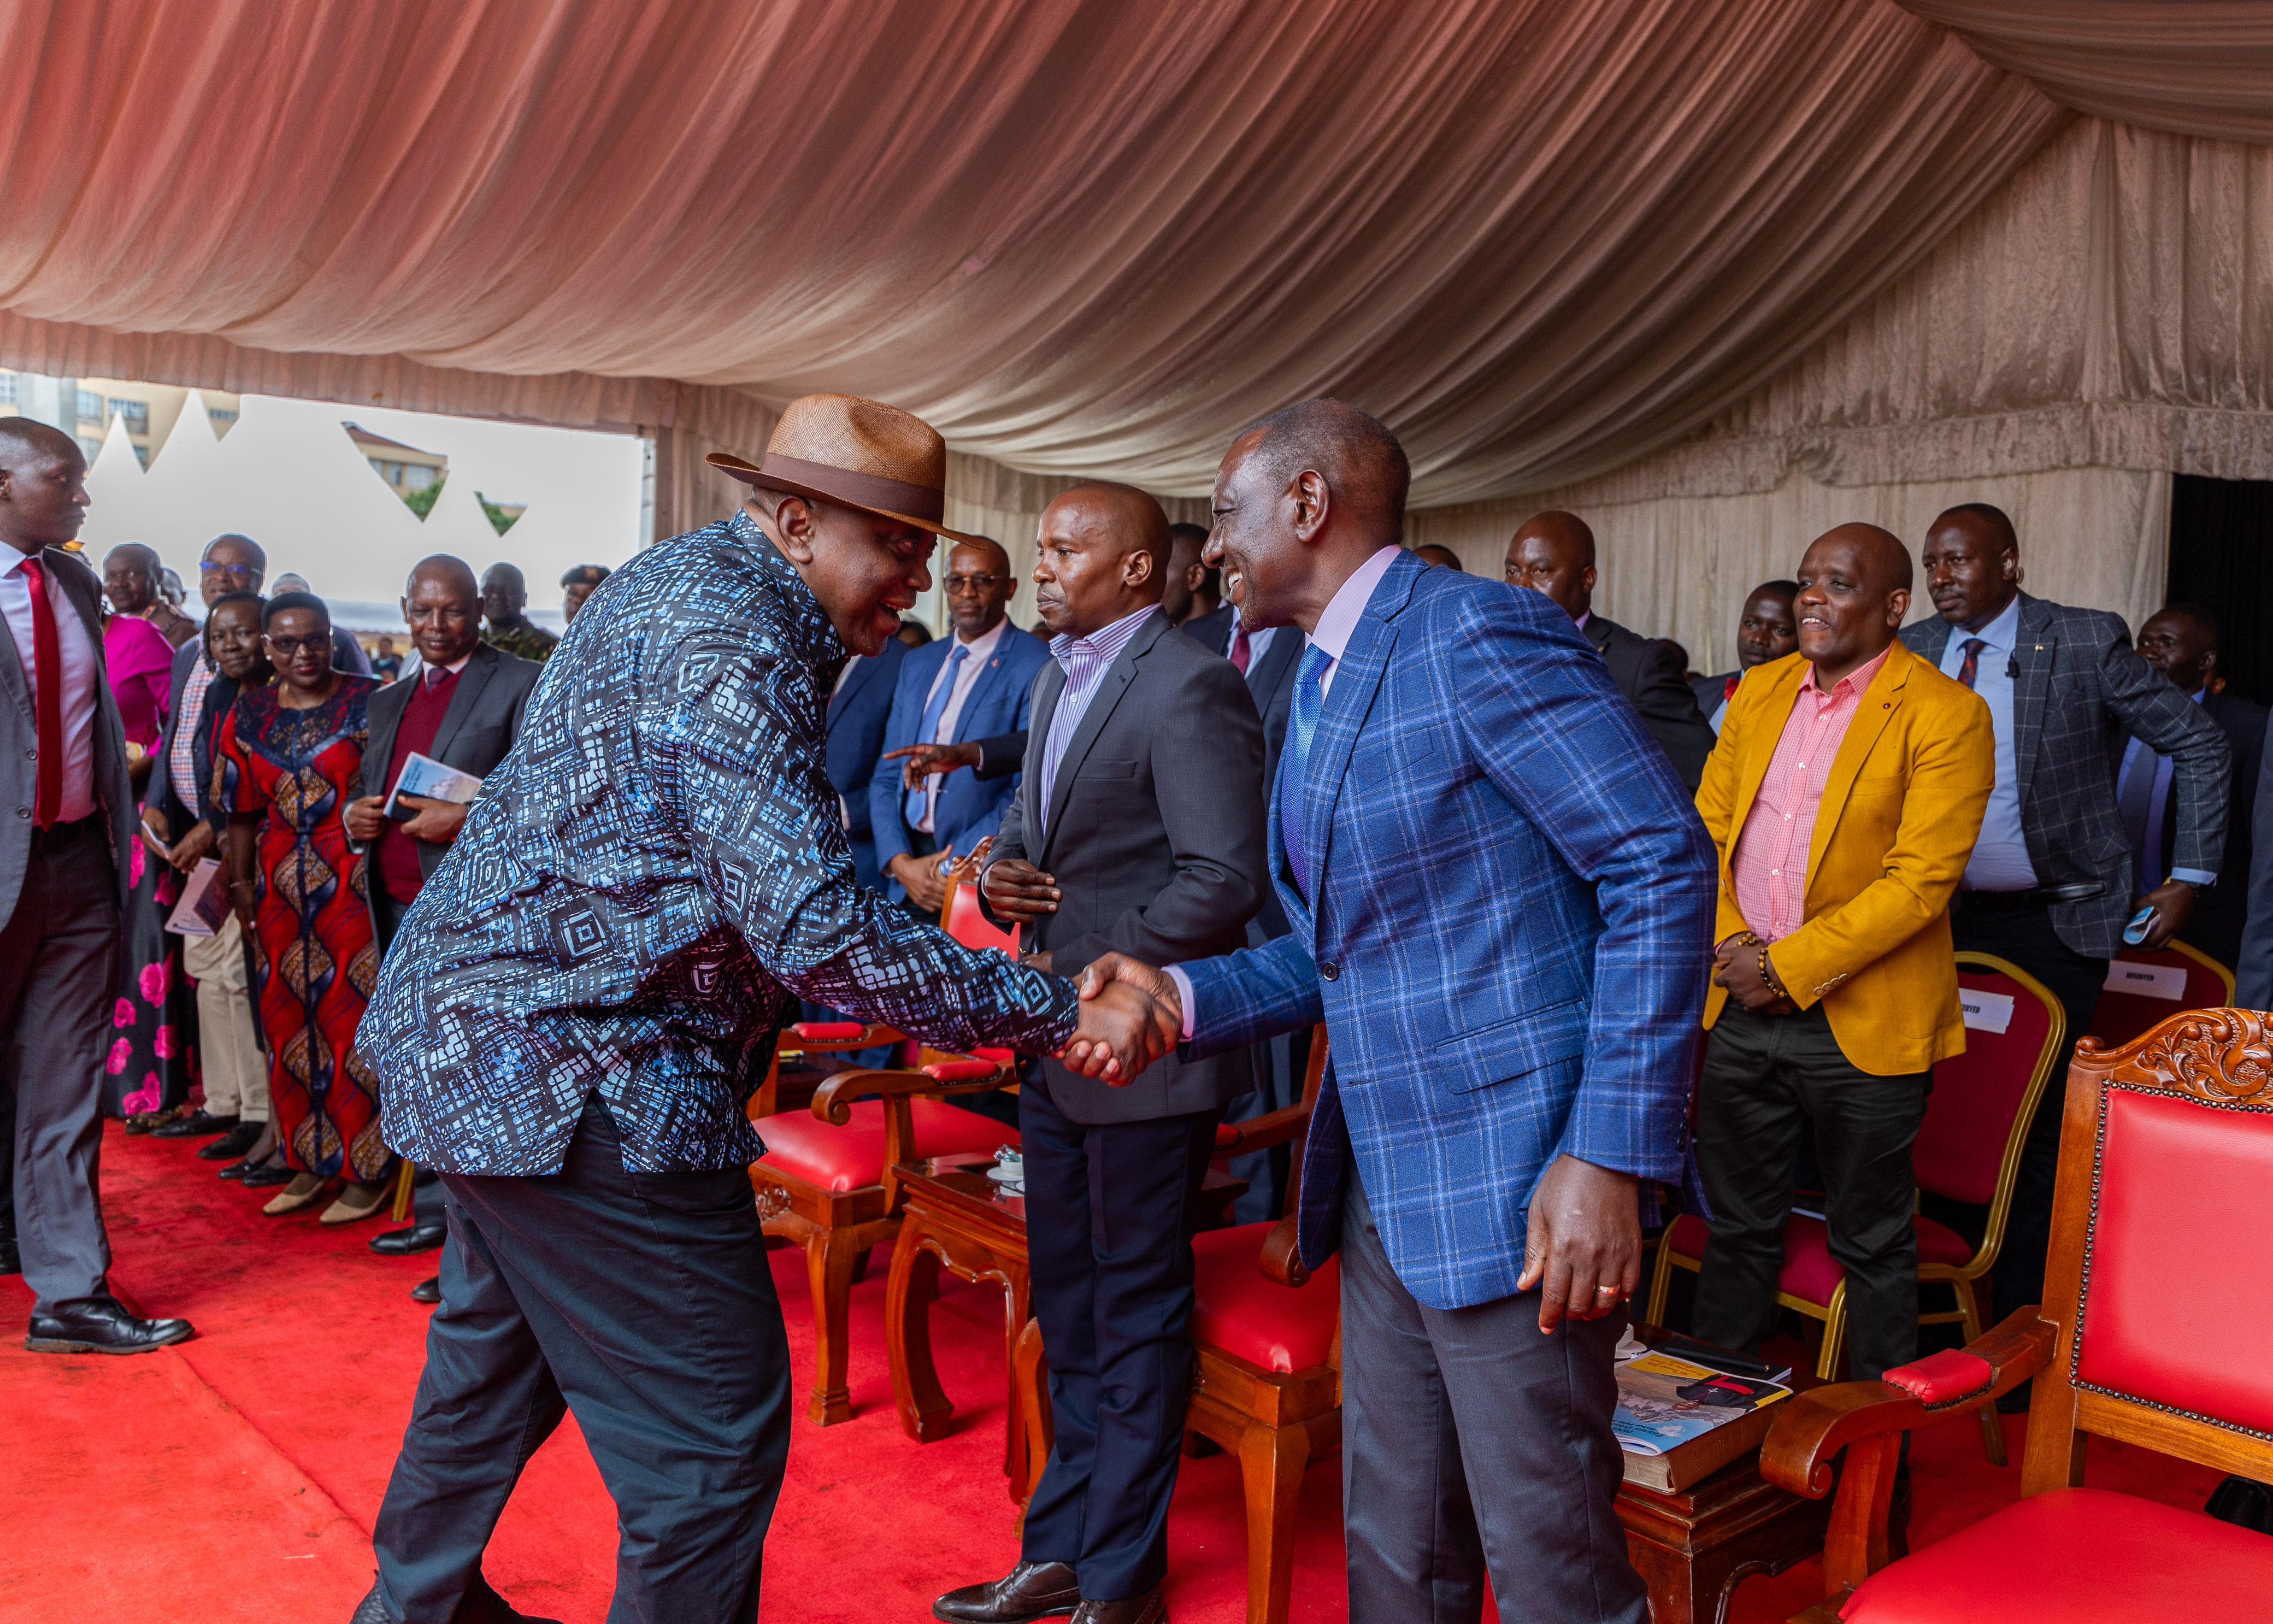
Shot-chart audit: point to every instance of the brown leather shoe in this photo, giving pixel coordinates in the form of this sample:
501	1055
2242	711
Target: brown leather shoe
1145	1609
1031	1591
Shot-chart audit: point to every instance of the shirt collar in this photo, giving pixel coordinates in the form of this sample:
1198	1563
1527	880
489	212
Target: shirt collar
2000	633
1339	624
982	647
1581	621
1854	682
457	665
1115	637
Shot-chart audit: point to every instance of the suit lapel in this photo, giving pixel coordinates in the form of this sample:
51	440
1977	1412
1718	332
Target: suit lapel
1266	675
12	673
384	714
1109	689
990	678
863	673
1357	675
1049	688
2034	648
471	681
1874	710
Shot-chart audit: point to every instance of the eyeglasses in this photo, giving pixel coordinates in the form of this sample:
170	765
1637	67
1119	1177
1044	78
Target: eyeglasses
209	567
973	583
289	646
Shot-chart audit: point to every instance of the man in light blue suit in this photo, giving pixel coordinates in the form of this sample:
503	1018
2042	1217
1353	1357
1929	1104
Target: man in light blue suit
973	685
1502	902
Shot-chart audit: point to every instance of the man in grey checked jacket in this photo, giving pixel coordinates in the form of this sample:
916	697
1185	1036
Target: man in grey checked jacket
2051	886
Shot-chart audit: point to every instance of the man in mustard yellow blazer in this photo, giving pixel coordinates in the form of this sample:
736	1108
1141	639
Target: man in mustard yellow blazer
1844	795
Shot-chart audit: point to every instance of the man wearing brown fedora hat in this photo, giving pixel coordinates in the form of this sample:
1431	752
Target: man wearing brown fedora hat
580	1002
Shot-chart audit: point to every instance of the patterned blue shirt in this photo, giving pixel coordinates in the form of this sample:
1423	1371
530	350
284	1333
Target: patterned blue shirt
653	877
1085	660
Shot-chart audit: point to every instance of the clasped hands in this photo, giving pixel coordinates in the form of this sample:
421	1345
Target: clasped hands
1737	965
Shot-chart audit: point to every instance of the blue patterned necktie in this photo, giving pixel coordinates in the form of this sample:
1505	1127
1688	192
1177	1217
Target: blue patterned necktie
1294	771
919	806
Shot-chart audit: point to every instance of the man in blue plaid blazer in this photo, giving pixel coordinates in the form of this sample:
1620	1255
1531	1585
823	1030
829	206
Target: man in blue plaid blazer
1502	907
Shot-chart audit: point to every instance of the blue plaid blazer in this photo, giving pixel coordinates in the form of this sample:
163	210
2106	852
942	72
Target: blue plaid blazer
1512	938
653	877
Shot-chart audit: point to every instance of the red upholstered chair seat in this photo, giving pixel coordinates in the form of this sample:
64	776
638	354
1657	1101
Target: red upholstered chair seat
1281	1329
852	1157
1809	1271
2076	1556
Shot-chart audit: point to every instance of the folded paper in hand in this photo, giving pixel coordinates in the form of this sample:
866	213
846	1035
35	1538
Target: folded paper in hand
204	907
424	776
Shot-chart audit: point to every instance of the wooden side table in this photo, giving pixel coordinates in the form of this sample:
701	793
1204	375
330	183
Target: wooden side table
954	1214
1693	1546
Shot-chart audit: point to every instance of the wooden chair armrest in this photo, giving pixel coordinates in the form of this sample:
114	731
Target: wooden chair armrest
1278	1127
1815	1425
792	1043
1281	1259
832	1101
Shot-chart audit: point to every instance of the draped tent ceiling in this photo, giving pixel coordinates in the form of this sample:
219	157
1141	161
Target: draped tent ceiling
1542	238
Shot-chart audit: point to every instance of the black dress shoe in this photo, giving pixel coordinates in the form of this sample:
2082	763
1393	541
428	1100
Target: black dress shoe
265	1177
101	1325
12	1261
1030	1590
427	1290
480	1606
1145	1609
234	1145
402	1243
197	1125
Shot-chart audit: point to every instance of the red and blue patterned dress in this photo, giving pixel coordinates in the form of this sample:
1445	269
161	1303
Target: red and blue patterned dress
318	959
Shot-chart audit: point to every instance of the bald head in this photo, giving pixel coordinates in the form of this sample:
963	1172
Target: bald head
1104	552
1302	499
1854	591
505	594
1353	452
1553	552
42	485
442	606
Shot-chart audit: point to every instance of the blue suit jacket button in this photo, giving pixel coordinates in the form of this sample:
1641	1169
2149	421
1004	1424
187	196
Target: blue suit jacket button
1331	971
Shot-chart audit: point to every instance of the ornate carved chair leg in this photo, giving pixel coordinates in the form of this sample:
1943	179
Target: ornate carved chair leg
1271	1463
1034	1404
829	1271
909	1289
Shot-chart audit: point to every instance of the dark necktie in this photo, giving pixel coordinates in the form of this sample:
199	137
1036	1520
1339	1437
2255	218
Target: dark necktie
1972	667
47	704
1294	769
1241	652
436	675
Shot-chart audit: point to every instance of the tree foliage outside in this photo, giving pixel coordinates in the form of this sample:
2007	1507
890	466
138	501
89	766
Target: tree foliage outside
422	503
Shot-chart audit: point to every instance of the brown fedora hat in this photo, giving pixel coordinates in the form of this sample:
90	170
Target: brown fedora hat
855	453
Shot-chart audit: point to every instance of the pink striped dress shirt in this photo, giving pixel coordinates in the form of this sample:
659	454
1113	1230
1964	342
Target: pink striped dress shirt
1770	866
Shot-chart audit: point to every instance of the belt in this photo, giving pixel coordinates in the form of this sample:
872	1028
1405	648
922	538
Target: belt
2035	897
55	837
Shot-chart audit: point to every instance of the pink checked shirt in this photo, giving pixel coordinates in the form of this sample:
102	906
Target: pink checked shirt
1770	866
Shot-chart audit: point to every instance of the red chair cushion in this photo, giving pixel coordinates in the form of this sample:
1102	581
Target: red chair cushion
852	1157
1943	1378
1282	1328
2076	1556
1809	1271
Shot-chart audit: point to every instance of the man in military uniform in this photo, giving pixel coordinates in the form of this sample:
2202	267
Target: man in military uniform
576	586
505	606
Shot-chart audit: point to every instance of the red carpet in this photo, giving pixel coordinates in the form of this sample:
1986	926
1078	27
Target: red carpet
235	1477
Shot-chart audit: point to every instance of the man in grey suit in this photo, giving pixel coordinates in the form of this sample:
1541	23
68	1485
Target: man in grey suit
1127	833
2051	882
462	707
63	886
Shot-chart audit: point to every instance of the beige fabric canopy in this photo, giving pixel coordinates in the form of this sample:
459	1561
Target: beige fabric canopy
1542	238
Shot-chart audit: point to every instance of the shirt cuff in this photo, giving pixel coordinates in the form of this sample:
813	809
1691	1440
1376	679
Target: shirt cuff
1176	973
2194	876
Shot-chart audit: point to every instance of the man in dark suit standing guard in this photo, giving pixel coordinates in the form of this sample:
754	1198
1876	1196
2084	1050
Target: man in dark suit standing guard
1554	553
858	711
574	1013
2051	880
1502	1073
1137	829
69	814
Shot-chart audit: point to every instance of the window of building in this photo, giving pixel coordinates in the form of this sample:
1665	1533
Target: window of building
417	475
136	414
219	414
8	391
91	445
90	406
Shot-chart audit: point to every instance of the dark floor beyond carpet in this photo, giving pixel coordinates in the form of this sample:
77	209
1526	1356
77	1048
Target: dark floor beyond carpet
235	1476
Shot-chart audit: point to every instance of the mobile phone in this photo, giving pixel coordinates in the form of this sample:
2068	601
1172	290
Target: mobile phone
2142	922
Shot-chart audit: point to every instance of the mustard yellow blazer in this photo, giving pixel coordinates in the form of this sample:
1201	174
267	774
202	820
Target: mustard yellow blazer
1900	814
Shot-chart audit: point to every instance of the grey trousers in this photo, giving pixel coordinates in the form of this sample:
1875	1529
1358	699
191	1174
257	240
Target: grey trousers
58	954
1472	1443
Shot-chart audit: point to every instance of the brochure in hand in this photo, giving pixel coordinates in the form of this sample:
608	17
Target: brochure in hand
424	776
204	907
1678	1422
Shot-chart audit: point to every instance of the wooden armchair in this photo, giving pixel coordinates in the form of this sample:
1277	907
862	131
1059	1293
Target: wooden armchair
1267	1385
2152	1333
1968	1150
826	1180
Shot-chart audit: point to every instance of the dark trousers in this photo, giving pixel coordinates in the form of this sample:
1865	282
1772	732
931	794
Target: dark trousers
58	955
1768	1079
1472	1444
2025	936
1110	1212
644	1303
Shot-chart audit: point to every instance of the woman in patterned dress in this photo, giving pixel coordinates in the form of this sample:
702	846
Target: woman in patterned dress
287	759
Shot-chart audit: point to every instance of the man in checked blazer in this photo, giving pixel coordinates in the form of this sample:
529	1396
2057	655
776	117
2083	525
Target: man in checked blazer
2052	880
1502	904
1137	827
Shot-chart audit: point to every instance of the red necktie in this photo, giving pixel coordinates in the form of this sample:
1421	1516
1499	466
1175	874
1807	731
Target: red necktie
1730	692
1971	668
1240	652
47	701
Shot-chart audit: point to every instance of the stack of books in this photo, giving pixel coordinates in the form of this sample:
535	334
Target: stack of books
1686	1409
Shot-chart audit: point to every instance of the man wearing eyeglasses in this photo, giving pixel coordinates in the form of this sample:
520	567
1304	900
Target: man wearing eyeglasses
972	686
